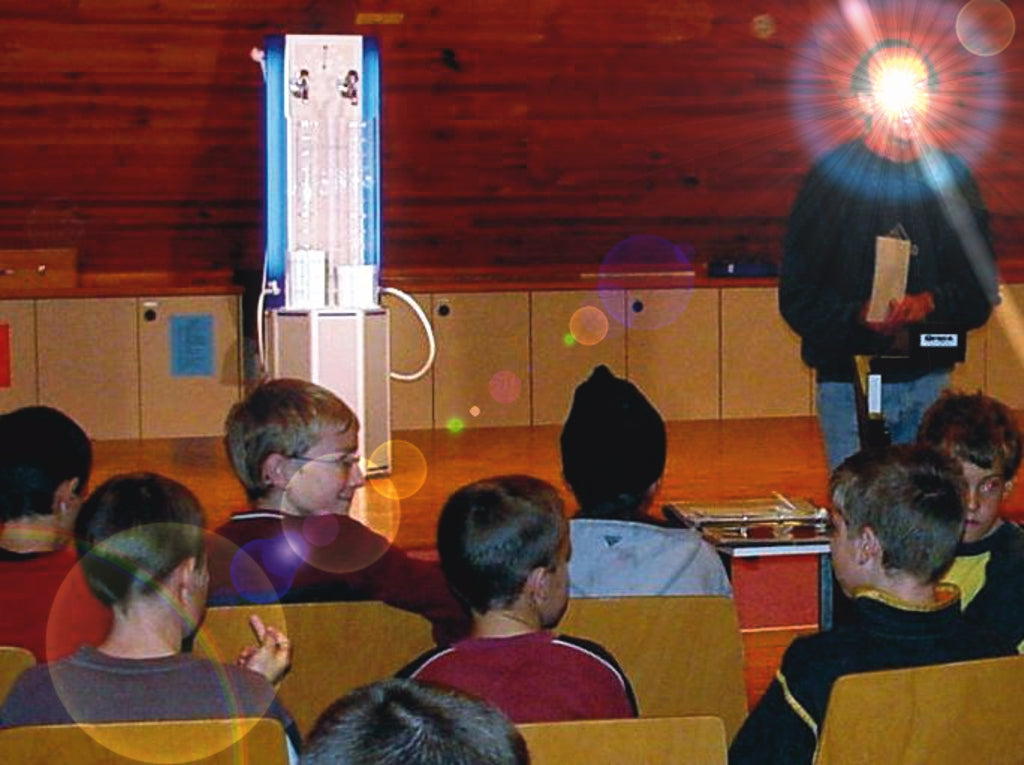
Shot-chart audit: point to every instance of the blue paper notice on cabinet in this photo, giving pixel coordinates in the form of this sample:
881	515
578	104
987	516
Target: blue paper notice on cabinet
191	338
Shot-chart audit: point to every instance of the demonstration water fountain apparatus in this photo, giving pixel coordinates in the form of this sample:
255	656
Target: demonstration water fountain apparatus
323	319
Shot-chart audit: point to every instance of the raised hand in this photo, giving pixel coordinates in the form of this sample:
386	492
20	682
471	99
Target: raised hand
272	654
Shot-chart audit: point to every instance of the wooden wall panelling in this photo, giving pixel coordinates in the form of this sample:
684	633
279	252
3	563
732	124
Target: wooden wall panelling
508	134
18	372
189	364
412	403
762	374
482	375
672	350
572	332
89	363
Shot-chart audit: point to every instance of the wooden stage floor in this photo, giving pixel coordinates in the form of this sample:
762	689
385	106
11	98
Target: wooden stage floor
707	460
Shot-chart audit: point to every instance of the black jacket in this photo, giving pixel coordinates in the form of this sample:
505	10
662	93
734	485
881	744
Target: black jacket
990	575
850	197
783	727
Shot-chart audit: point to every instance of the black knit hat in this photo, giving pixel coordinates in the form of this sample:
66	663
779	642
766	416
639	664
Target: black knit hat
613	442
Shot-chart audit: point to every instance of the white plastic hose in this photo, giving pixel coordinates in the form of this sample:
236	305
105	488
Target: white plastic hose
432	345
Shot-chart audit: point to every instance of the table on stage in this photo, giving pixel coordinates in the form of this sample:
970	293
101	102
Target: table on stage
758	528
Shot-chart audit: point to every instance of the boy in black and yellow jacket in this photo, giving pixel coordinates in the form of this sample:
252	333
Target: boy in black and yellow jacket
897	515
982	434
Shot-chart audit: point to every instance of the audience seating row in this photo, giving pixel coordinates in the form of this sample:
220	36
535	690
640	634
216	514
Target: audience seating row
684	655
13	661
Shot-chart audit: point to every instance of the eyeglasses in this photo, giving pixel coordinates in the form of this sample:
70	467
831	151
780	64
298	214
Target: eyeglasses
344	461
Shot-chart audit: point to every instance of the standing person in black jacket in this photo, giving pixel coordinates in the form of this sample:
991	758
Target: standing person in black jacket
889	182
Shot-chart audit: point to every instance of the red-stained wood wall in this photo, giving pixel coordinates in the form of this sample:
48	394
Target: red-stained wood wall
515	132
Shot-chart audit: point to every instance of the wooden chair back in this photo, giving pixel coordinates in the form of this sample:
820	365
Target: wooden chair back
336	647
683	654
13	661
214	742
643	741
945	714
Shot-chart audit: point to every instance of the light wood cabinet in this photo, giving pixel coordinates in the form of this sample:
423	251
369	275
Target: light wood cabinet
970	376
88	357
672	350
482	377
572	332
1004	368
189	364
412	403
512	358
762	374
127	367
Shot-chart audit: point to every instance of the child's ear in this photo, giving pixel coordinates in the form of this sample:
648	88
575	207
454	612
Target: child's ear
272	471
1007	489
538	584
868	546
66	500
188	577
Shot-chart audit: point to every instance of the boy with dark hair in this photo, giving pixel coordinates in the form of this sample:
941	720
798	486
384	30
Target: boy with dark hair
294	446
897	514
504	547
45	461
403	722
982	434
613	455
142	541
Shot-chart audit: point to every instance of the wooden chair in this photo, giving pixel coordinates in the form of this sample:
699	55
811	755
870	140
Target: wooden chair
644	741
13	661
337	647
945	714
683	654
218	742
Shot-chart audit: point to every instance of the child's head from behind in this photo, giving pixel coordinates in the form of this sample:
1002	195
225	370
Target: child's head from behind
403	722
134	531
25	491
43	447
613	447
504	544
900	505
298	441
983	435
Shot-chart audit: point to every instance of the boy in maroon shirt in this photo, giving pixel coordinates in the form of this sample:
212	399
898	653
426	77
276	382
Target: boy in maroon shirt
504	547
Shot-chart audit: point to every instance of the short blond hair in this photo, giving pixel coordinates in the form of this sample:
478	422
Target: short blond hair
285	417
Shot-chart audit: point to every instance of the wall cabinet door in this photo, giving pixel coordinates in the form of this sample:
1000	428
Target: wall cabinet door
572	332
672	350
970	376
412	403
481	377
88	355
1004	370
18	373
189	363
762	374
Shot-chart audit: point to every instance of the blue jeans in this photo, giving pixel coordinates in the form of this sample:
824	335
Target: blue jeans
903	405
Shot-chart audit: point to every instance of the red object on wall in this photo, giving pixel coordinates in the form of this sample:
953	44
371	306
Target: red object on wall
5	355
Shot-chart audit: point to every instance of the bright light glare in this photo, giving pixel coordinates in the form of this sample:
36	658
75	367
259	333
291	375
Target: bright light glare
901	88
